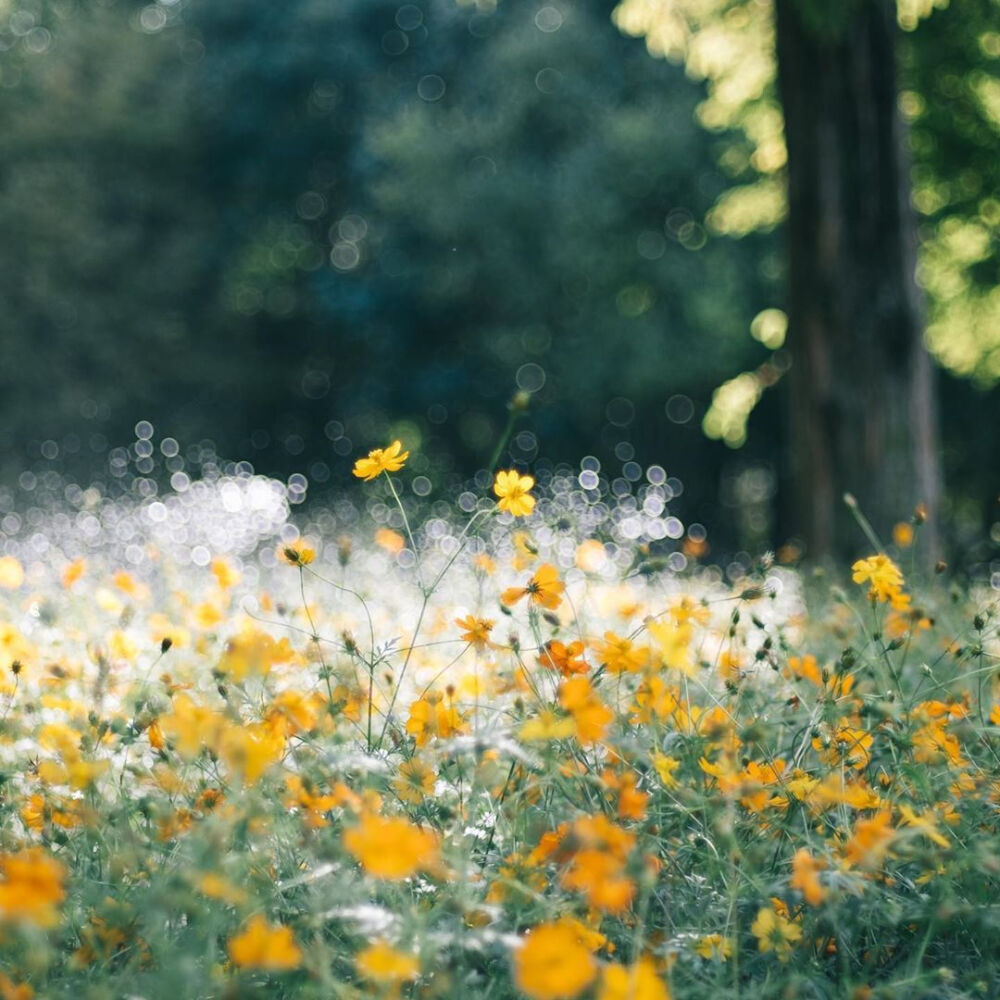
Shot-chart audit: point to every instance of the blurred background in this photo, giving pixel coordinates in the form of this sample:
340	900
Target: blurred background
292	232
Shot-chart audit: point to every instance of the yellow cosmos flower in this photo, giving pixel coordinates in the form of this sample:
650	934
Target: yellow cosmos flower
296	553
391	848
775	932
381	460
883	576
553	964
544	588
383	964
32	885
633	982
514	490
263	946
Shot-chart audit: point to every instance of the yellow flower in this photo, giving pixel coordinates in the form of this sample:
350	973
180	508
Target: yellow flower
882	574
547	726
775	932
414	781
11	573
391	848
476	631
514	490
553	964
216	887
381	460
31	887
296	553
633	982
263	946
382	964
226	575
714	946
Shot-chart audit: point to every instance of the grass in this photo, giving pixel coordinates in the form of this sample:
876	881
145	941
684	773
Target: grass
532	757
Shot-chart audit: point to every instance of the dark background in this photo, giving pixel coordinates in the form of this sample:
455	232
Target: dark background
298	230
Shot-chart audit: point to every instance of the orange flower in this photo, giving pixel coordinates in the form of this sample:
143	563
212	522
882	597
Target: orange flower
31	888
621	655
870	842
805	869
544	588
591	715
553	964
263	946
632	982
381	460
391	848
476	631
567	660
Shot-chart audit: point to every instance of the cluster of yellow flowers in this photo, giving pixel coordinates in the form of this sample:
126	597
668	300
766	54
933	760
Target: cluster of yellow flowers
561	777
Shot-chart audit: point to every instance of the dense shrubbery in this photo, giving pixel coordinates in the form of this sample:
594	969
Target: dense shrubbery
543	753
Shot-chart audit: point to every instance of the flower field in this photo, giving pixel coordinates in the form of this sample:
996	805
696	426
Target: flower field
529	743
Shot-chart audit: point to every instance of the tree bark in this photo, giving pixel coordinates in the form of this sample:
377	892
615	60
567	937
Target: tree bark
863	408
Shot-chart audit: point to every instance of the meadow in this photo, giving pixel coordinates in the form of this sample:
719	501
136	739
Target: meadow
526	742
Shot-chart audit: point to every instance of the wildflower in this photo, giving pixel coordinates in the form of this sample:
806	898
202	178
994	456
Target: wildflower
933	744
72	572
882	574
11	573
296	553
597	868
632	982
252	653
775	932
31	887
392	541
381	460
547	726
216	887
226	575
870	841
711	946
544	588
391	848
665	767
476	631
591	715
591	555
525	550
433	716
514	490
925	823
9	990
265	946
414	781
621	655
902	534
845	745
567	660
805	869
553	964
383	964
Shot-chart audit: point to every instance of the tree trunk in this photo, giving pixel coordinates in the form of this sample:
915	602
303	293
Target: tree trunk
863	411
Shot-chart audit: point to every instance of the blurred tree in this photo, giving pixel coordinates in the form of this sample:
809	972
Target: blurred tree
863	401
862	409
